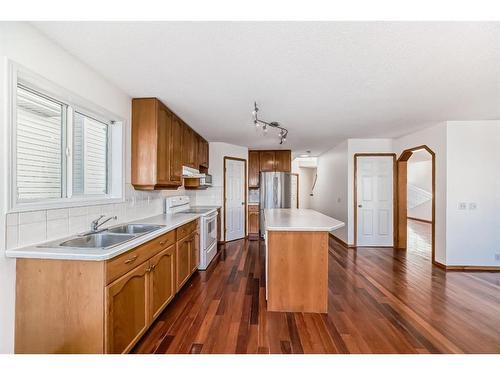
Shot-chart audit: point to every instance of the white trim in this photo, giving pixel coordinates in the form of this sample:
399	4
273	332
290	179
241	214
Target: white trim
116	148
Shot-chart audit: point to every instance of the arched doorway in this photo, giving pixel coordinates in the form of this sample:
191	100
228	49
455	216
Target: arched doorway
402	197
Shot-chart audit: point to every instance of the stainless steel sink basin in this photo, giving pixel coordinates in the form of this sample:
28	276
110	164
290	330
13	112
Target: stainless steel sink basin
106	238
97	240
134	228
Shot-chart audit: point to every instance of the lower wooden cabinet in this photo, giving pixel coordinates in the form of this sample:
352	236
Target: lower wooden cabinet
74	306
183	268
162	283
127	310
253	222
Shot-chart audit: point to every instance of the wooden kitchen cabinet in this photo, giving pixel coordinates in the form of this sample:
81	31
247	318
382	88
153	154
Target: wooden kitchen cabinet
253	221
283	161
101	306
162	282
202	152
266	161
127	310
183	266
154	152
189	147
253	169
161	144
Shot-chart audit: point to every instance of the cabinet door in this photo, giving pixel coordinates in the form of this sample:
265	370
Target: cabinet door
162	280
203	152
194	252
176	153
188	149
283	161
266	161
253	222
163	146
253	168
127	309
183	270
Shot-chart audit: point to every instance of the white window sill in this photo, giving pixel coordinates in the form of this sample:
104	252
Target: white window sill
84	202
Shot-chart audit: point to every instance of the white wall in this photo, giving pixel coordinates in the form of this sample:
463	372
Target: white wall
419	174
435	138
330	193
23	44
473	176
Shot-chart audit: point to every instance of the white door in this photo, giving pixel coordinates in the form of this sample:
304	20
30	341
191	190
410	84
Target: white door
374	194
235	199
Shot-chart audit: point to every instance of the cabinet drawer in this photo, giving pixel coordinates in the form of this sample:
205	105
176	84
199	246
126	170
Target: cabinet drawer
123	263
253	208
186	229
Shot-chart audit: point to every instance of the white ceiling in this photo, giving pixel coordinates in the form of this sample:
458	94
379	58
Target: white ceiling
324	81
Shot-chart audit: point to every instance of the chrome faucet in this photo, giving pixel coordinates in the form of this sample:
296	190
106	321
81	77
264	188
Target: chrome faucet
94	226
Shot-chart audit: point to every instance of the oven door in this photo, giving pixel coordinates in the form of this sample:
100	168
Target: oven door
210	230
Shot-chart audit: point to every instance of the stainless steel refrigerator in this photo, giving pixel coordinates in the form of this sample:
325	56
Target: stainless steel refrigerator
275	192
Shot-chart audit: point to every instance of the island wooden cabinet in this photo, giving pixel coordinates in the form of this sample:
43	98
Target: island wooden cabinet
253	169
75	306
161	144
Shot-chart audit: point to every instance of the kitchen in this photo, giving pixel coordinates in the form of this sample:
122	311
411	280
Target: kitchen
159	205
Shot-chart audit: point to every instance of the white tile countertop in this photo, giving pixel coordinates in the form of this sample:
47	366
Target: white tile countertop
298	219
170	222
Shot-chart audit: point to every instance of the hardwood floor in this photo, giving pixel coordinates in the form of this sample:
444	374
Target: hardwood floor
419	237
380	301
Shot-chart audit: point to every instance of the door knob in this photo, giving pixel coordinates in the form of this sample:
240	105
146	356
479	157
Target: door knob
360	205
242	203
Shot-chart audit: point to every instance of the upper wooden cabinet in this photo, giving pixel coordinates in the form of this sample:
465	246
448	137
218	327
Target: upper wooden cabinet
202	152
253	169
189	147
161	144
283	161
266	161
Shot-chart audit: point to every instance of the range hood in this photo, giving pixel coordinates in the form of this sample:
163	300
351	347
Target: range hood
191	173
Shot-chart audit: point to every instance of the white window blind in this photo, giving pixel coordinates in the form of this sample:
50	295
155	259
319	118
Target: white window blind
39	146
90	155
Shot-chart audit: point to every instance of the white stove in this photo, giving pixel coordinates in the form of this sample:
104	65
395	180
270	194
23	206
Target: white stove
208	225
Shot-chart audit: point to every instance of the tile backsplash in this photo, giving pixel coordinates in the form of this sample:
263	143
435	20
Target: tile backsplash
27	228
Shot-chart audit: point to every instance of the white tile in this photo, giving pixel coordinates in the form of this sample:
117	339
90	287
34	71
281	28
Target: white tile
32	217
78	224
57	228
11	237
57	214
77	211
94	210
32	233
12	219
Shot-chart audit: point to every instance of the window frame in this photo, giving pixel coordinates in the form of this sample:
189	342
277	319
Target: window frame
115	166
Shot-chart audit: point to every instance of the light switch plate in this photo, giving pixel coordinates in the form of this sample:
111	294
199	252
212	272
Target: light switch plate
462	206
472	205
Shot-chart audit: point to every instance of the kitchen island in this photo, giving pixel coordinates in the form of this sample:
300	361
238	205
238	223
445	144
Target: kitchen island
297	259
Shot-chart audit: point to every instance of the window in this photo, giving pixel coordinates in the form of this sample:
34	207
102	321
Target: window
62	152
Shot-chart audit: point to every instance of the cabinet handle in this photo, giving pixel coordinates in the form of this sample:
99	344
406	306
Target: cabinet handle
128	261
148	269
153	267
163	243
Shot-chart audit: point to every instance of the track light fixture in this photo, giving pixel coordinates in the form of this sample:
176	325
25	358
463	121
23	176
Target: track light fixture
257	122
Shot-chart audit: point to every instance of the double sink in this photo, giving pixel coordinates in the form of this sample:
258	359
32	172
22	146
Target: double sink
106	238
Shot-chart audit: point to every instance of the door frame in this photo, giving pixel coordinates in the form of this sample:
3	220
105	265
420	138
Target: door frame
224	189
296	174
394	198
402	186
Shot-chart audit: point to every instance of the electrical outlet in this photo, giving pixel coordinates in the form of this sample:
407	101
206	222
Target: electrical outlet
462	206
497	257
472	205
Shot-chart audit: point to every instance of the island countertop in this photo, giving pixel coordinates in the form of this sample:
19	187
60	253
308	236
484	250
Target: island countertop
299	219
